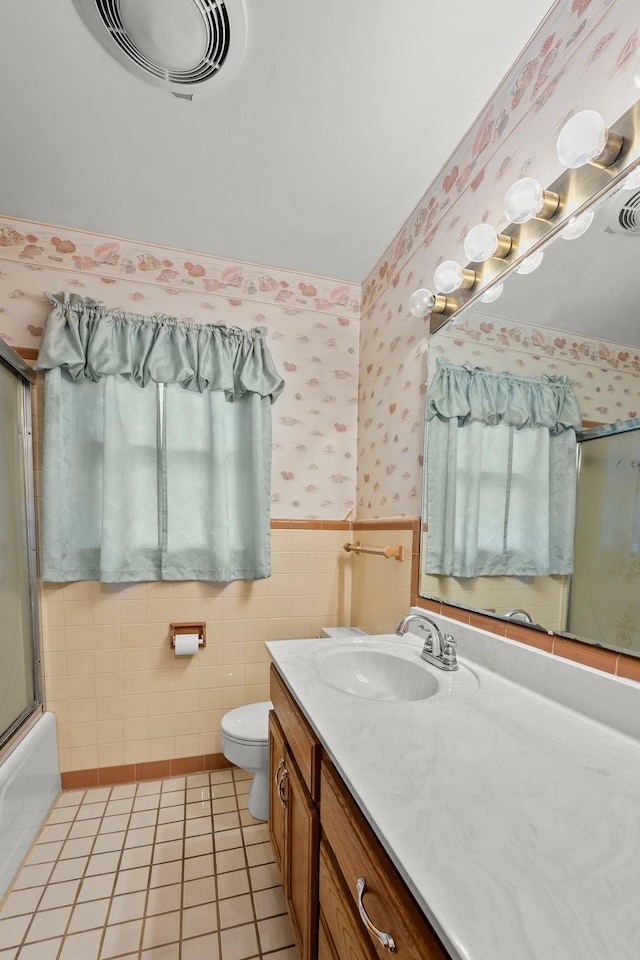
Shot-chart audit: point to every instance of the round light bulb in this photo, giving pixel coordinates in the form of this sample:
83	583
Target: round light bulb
582	139
531	263
577	226
481	242
448	277
492	293
524	200
421	302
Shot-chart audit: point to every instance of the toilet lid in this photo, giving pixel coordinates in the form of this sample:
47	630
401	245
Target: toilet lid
250	722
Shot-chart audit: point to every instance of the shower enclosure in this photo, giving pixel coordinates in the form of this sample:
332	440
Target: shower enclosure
29	777
604	602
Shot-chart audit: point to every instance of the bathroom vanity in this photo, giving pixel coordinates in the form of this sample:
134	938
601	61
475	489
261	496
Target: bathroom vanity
491	813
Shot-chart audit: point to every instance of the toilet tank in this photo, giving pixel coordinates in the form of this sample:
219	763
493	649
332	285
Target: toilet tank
342	633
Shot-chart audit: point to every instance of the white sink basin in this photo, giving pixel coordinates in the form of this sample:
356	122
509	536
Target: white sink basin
377	675
388	668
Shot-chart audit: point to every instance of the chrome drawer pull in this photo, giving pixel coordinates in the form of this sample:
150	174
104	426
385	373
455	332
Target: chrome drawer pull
283	778
386	940
275	776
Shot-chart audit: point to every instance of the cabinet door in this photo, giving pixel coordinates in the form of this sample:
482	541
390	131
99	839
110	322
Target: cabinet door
301	869
326	950
277	808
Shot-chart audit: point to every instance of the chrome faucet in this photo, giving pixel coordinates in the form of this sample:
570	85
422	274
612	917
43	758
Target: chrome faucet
438	649
518	614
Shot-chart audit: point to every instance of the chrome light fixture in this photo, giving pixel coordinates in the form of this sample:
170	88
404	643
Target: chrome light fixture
451	276
527	200
422	302
483	242
585	139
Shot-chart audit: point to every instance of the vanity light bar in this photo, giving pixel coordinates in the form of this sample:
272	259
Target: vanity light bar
589	150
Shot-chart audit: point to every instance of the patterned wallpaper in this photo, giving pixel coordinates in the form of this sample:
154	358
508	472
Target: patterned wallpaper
583	56
313	327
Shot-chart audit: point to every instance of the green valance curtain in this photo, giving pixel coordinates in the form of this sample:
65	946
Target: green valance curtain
501	467
157	454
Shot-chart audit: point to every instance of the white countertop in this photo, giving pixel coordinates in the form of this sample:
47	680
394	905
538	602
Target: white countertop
514	820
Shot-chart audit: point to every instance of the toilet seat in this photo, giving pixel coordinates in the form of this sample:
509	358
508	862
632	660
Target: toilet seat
248	724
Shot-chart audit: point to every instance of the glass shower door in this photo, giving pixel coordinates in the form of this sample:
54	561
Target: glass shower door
605	601
20	693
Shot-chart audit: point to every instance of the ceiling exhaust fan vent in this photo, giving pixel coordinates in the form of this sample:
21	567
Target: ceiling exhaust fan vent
180	45
628	220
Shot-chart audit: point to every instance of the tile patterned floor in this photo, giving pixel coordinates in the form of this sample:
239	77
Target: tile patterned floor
164	870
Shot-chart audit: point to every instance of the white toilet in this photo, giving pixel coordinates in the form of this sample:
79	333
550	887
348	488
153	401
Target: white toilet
245	741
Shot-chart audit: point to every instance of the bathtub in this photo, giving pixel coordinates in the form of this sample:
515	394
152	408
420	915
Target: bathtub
29	783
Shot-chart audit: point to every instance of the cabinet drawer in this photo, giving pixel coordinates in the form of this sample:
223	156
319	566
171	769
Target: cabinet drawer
340	924
386	899
299	735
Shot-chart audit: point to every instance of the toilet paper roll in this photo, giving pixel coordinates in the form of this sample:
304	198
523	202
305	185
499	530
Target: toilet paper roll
186	644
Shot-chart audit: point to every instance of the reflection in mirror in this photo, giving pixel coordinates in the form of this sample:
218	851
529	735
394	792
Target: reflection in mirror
576	315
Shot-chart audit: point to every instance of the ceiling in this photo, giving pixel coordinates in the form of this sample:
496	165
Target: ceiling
309	158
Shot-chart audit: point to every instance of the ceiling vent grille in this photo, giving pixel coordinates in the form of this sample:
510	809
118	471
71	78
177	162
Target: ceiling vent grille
177	44
629	215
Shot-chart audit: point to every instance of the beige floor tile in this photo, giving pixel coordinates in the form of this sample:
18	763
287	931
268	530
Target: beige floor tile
227	860
143	818
198	780
62	815
136	857
125	805
58	831
247	820
173	784
13	930
88	916
198	846
202	808
199	794
70	798
259	853
269	903
224	804
171	814
175	799
146	802
236	910
129	906
221	776
199	920
289	954
239	774
95	888
164	899
71	869
91	811
85	828
275	933
132	880
59	894
198	826
225	821
227	839
35	876
162	928
121	938
242	801
166	952
45	852
259	833
102	863
123	791
22	901
198	891
264	876
233	884
243	787
165	852
48	923
169	831
149	788
106	842
43	950
81	946
196	867
201	948
141	837
81	847
239	943
96	794
165	873
226	789
114	824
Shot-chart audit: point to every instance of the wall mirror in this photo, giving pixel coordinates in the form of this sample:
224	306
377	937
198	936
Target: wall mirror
572	308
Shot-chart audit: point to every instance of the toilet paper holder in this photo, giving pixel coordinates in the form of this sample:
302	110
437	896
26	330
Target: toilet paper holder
176	629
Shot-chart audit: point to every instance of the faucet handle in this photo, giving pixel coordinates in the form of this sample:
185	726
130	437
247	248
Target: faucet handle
449	658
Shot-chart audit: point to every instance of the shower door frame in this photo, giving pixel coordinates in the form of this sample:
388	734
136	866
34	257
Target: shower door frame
10	360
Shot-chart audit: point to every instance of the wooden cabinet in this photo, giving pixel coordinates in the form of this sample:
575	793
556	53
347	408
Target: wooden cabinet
388	918
294	823
342	888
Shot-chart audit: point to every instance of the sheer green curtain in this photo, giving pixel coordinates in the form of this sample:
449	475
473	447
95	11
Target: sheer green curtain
157	447
501	473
